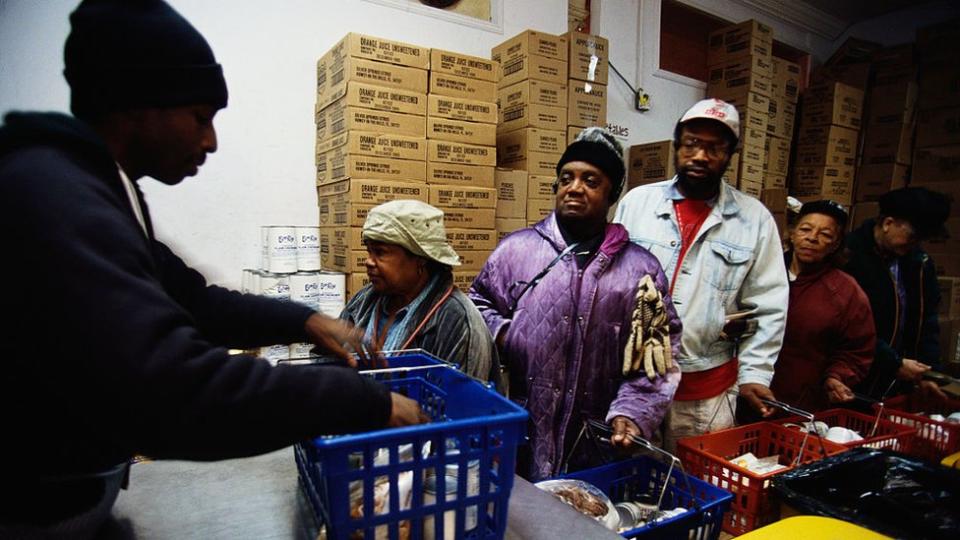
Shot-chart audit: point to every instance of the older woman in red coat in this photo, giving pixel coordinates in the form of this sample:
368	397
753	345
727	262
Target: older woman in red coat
830	338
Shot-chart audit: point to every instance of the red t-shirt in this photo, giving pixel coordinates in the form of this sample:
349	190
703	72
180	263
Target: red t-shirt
691	213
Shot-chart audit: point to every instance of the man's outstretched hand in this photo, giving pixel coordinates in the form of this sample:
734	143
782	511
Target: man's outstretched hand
339	337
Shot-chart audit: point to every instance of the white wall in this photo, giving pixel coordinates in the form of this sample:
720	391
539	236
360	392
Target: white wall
633	27
264	170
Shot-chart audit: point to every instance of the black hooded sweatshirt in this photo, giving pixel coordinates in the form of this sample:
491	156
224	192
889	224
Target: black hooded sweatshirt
113	346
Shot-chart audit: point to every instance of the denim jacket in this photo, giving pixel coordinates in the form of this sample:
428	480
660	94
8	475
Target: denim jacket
735	264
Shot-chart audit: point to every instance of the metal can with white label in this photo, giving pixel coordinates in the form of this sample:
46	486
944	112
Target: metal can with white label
308	249
282	249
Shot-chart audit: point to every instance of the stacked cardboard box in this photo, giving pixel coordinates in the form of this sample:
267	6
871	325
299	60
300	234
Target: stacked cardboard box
936	160
829	134
531	133
578	14
861	212
775	199
587	77
649	163
524	202
381	136
781	116
520	194
740	63
888	124
462	154
936	164
850	64
371	139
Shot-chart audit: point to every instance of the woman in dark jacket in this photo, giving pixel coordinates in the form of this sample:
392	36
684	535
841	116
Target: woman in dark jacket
829	342
411	301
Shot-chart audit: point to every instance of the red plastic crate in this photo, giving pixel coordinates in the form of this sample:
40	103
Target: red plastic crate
934	440
707	457
888	435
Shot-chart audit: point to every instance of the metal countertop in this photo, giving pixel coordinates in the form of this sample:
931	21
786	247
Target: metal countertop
256	498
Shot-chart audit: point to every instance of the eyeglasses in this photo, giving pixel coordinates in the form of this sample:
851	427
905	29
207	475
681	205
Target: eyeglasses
690	146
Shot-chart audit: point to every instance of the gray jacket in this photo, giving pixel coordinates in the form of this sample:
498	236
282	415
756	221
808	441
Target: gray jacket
456	332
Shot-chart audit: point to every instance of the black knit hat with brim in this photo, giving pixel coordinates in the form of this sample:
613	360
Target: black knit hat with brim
128	54
599	148
927	211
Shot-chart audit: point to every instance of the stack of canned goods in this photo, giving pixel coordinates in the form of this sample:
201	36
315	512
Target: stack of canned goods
290	270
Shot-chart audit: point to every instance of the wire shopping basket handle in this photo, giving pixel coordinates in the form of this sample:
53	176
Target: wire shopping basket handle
872	401
399	369
788	408
441	363
644	443
394	353
806	433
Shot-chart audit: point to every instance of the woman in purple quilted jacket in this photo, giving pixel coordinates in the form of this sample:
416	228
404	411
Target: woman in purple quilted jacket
581	316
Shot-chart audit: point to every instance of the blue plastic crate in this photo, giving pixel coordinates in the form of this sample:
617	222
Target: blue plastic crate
642	476
472	440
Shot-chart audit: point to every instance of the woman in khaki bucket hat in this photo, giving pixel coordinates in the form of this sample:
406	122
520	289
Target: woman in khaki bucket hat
411	300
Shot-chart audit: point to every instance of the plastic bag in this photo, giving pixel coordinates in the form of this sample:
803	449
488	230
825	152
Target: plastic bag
585	498
889	493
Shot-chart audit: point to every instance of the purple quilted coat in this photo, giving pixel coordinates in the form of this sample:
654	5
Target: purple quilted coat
564	344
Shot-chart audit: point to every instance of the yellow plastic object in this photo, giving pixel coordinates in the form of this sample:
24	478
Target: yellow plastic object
952	461
821	528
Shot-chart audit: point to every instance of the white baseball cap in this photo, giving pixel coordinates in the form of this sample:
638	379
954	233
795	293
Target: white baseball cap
715	109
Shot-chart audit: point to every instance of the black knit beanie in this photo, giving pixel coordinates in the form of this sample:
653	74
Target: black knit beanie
826	207
601	149
927	211
126	54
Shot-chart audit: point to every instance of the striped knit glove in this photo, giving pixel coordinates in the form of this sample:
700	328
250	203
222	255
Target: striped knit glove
649	343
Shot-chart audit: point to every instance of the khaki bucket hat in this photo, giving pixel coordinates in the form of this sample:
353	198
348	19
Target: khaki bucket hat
414	225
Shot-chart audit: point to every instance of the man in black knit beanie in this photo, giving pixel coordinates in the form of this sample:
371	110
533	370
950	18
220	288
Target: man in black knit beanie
121	348
126	54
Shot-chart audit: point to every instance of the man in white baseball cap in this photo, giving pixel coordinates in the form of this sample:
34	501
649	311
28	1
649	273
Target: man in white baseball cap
721	251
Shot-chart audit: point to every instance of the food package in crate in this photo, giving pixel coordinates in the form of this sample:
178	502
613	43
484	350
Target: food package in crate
657	500
764	465
853	428
593	502
712	457
382	486
937	422
585	498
